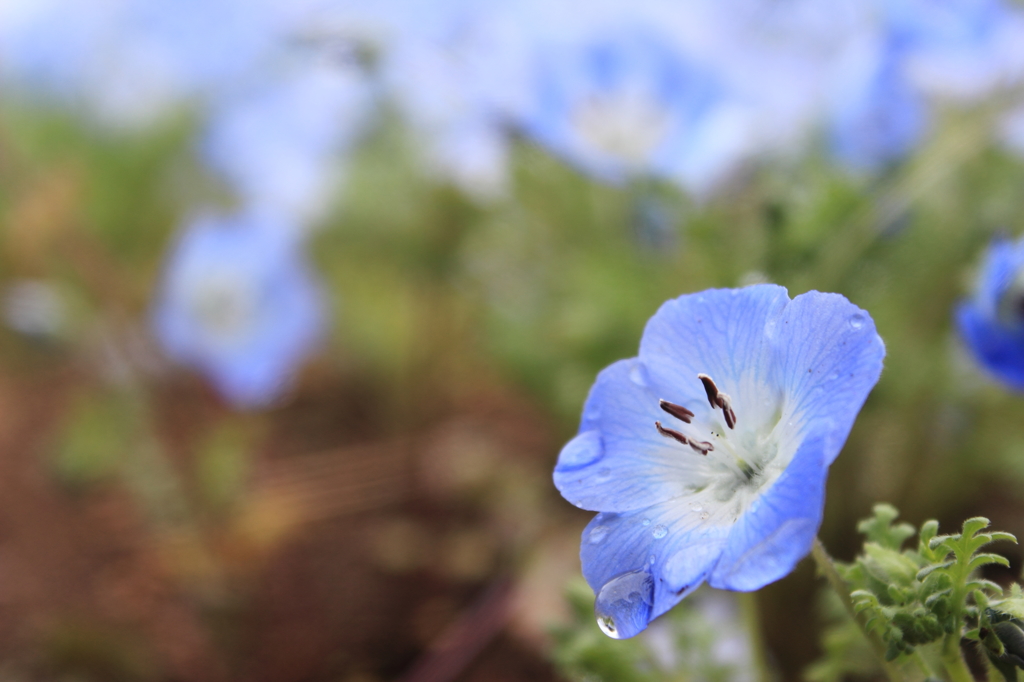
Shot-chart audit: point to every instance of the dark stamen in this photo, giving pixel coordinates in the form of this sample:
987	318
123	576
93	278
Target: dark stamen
726	405
719	399
703	447
677	411
671	433
709	388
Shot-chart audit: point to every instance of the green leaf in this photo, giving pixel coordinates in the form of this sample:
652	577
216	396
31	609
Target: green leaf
880	530
888	565
980	560
974	524
927	570
982	584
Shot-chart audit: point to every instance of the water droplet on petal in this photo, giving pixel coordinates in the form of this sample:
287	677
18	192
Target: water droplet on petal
833	376
646	522
636	375
856	321
597	534
695	507
651	560
705	516
659	531
623	605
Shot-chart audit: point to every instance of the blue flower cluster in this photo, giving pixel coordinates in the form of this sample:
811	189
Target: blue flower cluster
707	454
685	91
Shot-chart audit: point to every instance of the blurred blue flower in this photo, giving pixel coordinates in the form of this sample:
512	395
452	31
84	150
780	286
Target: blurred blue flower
627	100
707	454
278	143
878	116
957	47
130	61
992	320
238	302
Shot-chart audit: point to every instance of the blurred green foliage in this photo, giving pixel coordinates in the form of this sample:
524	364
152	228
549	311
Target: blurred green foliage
434	293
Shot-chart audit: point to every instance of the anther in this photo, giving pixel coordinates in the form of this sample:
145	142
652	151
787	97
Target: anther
718	399
710	388
677	411
703	447
671	433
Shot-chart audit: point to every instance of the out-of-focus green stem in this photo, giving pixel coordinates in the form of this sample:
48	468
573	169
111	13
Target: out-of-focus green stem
922	664
953	660
752	622
838	585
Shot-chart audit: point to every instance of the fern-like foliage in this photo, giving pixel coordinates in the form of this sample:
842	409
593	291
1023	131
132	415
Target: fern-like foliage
912	596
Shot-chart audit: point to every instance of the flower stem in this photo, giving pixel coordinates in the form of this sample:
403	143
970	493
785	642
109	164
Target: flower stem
838	585
922	664
953	660
752	623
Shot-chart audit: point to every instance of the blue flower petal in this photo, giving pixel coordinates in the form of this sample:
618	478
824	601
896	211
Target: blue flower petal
999	349
670	542
619	461
719	332
777	531
828	357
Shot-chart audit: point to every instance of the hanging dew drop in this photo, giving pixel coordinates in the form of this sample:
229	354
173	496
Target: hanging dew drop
623	604
607	625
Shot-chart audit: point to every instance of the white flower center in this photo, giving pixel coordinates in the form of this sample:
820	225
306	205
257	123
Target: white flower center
739	449
224	306
626	124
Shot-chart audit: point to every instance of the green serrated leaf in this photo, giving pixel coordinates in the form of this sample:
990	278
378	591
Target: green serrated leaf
930	601
888	565
974	524
1000	536
981	584
980	560
928	570
929	530
879	528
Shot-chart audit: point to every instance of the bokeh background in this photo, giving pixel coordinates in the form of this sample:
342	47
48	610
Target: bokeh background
301	299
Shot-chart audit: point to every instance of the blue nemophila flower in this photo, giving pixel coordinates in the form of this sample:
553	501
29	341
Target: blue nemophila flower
707	454
878	114
992	320
626	98
239	303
